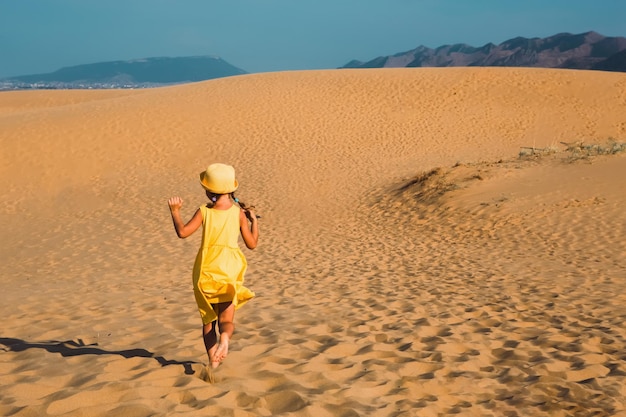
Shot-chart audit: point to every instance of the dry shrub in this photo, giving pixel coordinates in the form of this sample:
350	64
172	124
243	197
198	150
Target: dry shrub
578	150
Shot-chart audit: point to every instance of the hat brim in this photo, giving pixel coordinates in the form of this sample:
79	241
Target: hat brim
216	190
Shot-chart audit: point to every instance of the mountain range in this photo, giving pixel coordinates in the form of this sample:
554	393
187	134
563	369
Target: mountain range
148	72
589	51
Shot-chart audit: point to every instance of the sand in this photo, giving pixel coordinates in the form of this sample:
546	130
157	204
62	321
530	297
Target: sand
410	261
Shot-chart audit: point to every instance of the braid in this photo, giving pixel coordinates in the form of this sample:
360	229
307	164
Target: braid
243	205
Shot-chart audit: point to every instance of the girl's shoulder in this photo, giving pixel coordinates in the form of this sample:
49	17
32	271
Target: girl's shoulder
204	209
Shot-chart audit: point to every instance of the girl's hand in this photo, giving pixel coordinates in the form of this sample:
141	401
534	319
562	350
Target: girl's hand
175	203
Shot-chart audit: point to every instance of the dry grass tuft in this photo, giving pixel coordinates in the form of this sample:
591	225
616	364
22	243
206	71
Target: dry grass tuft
578	150
428	186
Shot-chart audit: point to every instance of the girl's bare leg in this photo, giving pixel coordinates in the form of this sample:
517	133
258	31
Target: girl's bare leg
209	334
226	323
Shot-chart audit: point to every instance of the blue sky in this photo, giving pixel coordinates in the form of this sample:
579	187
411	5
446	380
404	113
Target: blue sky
38	36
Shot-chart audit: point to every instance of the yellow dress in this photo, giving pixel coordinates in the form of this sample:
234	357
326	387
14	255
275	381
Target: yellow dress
220	265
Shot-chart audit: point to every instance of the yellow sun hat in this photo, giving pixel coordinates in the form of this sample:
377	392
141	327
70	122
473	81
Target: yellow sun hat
219	179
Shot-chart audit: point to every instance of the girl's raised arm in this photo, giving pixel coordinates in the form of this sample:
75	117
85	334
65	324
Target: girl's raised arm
183	230
249	231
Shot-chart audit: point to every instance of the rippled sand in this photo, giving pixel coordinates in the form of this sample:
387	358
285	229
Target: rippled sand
410	262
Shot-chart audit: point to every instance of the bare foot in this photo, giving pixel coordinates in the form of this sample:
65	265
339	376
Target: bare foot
222	349
213	361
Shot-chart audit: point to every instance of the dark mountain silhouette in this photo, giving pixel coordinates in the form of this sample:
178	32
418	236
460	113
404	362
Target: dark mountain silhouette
588	50
616	62
134	73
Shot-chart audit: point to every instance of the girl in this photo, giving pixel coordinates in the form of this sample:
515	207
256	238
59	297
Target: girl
220	265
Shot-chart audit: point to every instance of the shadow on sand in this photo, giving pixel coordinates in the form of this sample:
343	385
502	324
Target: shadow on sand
76	348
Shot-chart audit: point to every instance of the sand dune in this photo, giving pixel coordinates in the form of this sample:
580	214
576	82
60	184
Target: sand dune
494	286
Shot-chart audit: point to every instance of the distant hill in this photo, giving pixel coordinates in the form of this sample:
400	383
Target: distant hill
146	72
588	50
